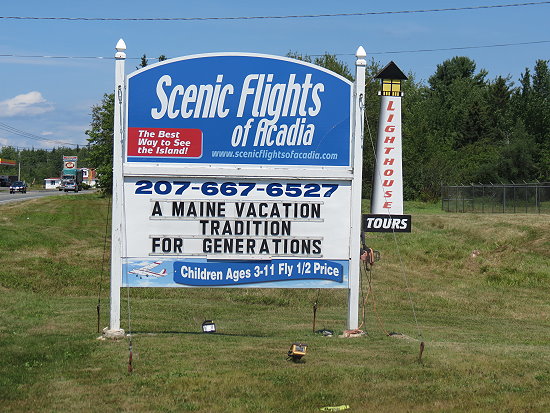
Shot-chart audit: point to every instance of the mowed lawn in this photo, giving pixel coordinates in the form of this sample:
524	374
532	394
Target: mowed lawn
474	288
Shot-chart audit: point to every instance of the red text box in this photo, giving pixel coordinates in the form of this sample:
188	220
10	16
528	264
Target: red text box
165	142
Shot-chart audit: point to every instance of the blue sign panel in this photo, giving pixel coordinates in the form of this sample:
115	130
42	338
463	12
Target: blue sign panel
238	109
277	273
233	273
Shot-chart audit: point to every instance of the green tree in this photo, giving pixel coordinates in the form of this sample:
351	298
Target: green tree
499	93
328	61
451	70
518	155
39	164
143	62
531	105
332	63
101	141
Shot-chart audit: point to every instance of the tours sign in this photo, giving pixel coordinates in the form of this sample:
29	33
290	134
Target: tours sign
236	170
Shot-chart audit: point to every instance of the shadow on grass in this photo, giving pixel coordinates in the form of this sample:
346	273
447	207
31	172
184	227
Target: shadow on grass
197	333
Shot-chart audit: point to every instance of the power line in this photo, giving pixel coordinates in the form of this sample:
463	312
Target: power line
10	129
296	16
65	57
313	55
461	47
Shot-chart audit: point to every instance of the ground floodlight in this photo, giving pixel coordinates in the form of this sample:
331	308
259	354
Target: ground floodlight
297	351
208	326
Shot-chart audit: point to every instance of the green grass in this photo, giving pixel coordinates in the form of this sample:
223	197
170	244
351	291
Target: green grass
484	319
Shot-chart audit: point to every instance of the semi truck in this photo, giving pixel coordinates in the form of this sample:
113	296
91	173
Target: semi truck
71	180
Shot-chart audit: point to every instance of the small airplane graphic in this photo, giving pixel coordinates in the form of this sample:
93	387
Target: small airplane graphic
146	271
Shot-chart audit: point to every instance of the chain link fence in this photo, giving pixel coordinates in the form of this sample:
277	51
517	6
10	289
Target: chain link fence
502	198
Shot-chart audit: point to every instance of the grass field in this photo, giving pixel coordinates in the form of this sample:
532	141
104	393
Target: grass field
485	321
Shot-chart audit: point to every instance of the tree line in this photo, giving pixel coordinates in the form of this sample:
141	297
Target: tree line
459	127
462	127
38	164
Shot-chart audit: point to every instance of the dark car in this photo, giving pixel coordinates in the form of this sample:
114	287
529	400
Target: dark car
18	186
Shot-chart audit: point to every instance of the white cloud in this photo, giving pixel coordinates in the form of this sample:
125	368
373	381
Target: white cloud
32	103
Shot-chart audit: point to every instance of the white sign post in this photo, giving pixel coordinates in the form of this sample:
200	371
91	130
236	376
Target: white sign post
117	206
355	230
237	170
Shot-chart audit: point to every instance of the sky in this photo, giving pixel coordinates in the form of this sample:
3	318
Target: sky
49	100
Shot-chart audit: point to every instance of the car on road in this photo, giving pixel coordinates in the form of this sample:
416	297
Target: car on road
70	186
18	186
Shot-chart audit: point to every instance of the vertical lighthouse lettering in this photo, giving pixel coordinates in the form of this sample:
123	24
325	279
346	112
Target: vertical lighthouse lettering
389	170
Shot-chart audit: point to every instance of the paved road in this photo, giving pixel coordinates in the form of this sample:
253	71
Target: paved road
6	197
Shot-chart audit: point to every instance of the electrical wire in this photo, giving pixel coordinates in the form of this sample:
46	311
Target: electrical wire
281	17
441	49
10	129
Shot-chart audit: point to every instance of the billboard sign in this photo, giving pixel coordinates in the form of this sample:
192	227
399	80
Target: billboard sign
69	165
238	109
245	113
9	162
236	170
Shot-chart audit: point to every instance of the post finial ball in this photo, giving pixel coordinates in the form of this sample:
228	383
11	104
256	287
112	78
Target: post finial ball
120	46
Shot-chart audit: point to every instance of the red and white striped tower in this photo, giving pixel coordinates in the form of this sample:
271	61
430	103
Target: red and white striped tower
387	190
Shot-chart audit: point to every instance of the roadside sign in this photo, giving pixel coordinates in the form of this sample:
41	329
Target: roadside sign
9	162
238	109
236	170
247	111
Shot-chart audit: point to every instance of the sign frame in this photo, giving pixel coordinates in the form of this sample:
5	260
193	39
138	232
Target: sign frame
126	168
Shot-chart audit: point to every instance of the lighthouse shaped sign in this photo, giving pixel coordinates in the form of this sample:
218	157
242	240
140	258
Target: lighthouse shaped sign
387	193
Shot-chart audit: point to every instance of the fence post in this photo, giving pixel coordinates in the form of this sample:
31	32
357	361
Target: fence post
537	203
494	199
526	198
514	188
482	199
